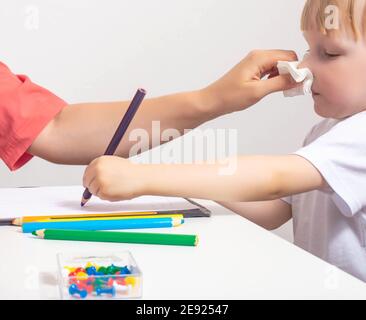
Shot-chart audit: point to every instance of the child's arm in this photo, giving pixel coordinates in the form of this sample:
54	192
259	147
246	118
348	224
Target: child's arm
81	132
268	214
255	178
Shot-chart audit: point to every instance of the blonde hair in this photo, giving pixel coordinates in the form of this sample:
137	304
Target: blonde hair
352	17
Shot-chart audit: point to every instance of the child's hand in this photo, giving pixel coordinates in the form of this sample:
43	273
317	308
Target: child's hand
243	86
113	178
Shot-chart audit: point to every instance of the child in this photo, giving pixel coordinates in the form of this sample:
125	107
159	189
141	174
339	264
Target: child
321	186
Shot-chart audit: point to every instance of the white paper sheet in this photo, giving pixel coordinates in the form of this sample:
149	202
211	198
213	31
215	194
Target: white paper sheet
18	202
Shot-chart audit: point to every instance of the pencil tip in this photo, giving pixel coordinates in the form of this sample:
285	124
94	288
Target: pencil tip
84	201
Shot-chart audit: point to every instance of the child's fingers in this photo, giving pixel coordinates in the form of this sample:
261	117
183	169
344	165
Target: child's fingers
89	173
94	187
278	83
267	59
87	177
273	74
270	73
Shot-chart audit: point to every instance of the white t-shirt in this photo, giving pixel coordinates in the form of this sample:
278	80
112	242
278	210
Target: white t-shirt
331	223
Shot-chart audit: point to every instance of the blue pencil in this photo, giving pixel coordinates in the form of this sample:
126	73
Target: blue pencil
103	224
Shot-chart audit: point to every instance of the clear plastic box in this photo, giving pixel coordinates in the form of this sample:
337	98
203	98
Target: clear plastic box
99	276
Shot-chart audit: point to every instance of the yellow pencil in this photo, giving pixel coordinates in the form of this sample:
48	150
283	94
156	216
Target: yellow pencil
178	216
20	221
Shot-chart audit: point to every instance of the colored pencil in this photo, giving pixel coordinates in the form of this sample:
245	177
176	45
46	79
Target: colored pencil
104	224
21	220
6	222
102	216
121	237
121	130
172	216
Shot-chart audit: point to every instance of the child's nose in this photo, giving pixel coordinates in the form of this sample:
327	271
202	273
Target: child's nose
302	65
305	62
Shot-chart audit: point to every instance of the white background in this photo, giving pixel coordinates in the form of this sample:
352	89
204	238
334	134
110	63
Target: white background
90	50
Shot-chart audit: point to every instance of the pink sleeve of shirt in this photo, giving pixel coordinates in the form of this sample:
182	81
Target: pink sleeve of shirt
25	110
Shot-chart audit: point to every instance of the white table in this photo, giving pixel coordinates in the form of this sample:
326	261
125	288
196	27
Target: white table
235	259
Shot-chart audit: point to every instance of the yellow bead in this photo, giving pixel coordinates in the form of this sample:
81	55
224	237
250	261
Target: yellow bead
130	280
82	276
70	269
91	264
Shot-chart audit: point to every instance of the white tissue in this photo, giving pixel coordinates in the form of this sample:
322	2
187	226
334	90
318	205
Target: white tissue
303	75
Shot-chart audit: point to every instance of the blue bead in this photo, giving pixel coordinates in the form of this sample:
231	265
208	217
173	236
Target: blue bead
125	270
73	289
91	271
110	290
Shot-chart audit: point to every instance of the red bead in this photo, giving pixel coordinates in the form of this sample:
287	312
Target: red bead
84	285
121	281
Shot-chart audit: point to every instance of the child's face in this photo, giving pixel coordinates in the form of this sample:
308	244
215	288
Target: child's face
339	68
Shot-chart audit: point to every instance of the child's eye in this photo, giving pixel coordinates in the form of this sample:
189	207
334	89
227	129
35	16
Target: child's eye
332	55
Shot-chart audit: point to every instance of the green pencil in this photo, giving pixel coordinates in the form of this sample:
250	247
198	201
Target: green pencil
124	237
